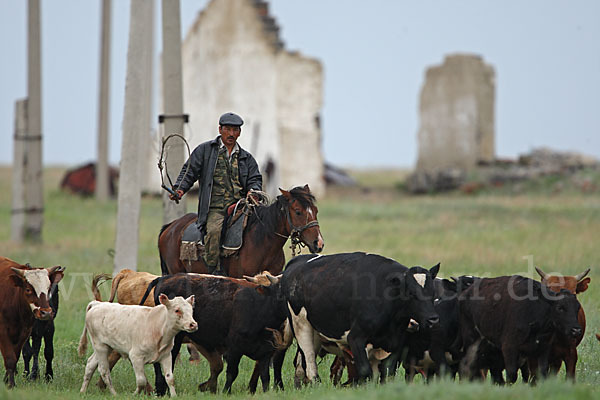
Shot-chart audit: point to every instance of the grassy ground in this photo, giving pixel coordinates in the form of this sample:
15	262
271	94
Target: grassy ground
488	234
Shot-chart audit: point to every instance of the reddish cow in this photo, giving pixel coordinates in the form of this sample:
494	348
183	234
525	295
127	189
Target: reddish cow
566	350
23	298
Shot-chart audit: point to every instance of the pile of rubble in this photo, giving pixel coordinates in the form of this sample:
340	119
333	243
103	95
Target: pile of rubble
538	163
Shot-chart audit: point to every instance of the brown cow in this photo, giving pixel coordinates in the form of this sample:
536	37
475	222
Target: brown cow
566	350
23	298
129	287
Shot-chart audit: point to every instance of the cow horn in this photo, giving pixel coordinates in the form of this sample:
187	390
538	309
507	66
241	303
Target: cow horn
542	273
582	275
250	279
274	279
18	271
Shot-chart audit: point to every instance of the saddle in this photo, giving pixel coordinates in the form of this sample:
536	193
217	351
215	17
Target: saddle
192	245
233	228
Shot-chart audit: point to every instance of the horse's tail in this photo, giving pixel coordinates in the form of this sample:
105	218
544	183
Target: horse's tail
151	286
163	265
96	281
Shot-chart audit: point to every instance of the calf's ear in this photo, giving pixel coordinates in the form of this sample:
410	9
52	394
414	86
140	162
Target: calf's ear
17	281
164	299
583	285
56	274
18	278
434	270
191	300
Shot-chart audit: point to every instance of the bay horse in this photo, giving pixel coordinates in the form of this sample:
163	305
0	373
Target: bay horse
293	215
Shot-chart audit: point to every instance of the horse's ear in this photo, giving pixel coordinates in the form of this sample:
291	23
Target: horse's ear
307	188
285	194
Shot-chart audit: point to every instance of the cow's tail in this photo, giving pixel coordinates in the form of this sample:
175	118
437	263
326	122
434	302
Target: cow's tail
96	281
288	335
163	264
114	287
151	286
282	337
83	340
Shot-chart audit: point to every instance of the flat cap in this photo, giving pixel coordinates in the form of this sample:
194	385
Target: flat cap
231	119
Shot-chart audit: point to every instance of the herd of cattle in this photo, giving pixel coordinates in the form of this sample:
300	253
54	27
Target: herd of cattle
371	312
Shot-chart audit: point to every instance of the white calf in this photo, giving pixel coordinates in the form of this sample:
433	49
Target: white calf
142	334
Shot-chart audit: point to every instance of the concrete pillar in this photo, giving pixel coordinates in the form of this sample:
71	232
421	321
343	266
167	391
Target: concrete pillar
17	220
102	183
172	102
34	189
135	129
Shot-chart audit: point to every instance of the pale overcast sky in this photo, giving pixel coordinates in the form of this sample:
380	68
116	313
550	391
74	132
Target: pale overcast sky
546	54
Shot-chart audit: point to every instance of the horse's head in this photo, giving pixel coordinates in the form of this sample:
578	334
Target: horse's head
302	217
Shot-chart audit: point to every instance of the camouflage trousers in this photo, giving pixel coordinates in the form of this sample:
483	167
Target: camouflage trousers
212	240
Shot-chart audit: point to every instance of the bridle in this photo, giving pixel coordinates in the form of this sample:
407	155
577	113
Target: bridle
295	235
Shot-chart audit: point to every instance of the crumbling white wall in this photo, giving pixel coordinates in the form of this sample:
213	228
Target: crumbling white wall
233	61
299	101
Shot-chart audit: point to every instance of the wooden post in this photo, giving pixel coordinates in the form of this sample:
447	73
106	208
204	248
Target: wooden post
135	129
17	220
33	174
172	101
102	183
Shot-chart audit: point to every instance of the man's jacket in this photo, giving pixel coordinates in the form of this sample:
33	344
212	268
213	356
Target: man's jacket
202	167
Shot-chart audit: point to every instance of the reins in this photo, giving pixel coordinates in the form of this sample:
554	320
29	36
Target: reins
295	235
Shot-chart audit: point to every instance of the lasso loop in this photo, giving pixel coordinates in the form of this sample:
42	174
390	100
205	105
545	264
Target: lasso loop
162	162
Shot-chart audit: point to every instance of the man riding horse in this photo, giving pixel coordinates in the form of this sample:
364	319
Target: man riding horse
225	173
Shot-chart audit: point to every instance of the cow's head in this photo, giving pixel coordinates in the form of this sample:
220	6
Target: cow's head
420	292
35	284
565	308
574	284
463	282
264	278
181	311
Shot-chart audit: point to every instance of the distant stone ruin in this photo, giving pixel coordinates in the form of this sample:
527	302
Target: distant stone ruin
457	121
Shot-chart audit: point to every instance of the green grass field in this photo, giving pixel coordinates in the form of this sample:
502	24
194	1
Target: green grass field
490	234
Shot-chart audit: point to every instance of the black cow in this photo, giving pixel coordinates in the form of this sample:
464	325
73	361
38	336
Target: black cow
353	300
432	351
519	318
235	318
42	329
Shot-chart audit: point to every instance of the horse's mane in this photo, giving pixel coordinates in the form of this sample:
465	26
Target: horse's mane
267	217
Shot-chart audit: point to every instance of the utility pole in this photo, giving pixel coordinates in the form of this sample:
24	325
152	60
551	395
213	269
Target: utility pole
17	220
135	129
102	183
28	197
173	117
